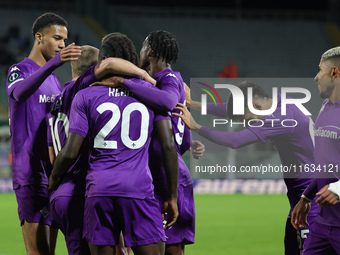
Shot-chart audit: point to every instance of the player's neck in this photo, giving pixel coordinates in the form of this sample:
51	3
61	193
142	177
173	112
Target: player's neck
335	96
158	67
37	56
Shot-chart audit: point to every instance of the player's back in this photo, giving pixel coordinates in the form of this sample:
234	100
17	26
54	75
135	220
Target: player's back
73	182
119	128
170	80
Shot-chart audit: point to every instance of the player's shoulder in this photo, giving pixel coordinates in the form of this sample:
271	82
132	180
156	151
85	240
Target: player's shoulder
168	74
23	66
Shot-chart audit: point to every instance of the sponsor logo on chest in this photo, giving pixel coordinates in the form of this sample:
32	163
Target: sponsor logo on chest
43	98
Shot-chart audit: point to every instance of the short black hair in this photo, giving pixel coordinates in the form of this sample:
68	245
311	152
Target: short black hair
164	45
257	91
46	20
117	45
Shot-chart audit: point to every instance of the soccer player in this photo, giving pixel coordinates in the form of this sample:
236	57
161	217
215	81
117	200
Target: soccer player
294	144
68	200
119	190
324	236
159	52
32	88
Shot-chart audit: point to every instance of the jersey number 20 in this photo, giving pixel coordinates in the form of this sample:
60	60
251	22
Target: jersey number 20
125	116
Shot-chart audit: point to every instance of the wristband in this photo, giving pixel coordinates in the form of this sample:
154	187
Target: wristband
304	197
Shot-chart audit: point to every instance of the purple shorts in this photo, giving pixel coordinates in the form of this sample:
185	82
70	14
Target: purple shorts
67	214
33	204
295	239
322	239
184	228
139	220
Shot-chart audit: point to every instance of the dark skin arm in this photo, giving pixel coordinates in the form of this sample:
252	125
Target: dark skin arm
66	157
170	161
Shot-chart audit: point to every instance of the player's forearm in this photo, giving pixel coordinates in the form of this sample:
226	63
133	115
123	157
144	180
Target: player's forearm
170	157
28	86
311	190
216	110
118	66
62	163
164	100
233	140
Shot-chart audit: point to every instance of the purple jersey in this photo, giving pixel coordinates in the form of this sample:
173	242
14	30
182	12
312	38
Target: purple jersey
327	157
57	132
28	126
119	128
294	143
170	80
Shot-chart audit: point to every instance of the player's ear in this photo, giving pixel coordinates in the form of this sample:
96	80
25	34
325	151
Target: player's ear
150	53
335	72
38	36
257	106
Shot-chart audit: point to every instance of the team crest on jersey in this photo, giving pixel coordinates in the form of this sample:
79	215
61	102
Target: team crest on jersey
13	77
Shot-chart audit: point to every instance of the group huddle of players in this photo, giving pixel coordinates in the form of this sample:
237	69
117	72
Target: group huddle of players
101	159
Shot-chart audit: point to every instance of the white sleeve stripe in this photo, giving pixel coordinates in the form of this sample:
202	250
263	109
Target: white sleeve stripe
10	85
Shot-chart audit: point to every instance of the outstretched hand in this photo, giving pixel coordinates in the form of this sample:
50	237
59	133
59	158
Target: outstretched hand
327	197
197	149
186	117
70	53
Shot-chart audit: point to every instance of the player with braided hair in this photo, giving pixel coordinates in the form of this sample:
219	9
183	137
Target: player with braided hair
159	52
164	45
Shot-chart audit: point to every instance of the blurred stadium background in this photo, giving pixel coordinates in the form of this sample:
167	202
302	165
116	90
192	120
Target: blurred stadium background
238	38
235	38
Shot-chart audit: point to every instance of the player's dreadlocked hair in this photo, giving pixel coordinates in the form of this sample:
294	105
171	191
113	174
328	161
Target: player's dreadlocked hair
164	45
117	45
257	92
46	20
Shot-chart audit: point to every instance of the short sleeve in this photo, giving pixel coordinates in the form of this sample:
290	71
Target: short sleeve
78	116
49	134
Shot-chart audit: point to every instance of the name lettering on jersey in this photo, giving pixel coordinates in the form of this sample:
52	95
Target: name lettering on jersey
47	99
329	131
118	92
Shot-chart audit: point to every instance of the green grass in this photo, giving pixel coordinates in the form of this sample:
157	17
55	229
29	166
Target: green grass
225	224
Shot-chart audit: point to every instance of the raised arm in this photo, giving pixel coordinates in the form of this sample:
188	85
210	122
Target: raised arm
216	110
170	161
164	100
230	139
121	67
161	99
25	88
